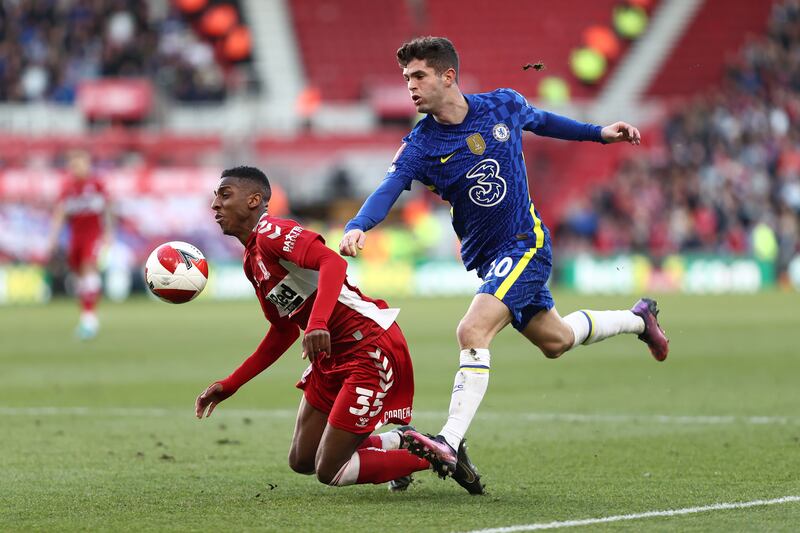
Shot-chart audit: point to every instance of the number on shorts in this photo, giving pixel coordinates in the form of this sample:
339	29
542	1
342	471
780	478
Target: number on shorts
501	269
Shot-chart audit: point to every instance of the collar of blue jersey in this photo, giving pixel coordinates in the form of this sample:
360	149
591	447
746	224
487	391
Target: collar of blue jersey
472	103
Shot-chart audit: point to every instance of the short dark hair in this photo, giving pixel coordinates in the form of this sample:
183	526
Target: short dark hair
251	174
438	52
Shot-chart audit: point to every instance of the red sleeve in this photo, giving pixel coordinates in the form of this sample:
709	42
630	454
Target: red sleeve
66	189
332	272
274	345
286	239
290	241
101	188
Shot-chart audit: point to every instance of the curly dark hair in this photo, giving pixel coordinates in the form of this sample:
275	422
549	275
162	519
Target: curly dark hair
251	174
438	52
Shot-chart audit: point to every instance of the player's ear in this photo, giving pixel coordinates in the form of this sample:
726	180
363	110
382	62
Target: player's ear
449	76
255	200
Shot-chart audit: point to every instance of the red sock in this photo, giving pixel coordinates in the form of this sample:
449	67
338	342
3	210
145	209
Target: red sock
88	301
373	441
380	466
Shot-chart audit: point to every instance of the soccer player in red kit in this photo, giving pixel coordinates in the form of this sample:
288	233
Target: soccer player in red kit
360	376
85	207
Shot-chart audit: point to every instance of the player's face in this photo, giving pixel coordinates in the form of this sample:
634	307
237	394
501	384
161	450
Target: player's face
79	164
426	87
233	206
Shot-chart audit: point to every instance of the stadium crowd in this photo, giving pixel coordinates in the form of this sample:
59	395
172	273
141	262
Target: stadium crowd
48	46
728	177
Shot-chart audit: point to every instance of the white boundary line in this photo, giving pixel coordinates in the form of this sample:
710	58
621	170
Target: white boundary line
637	516
529	417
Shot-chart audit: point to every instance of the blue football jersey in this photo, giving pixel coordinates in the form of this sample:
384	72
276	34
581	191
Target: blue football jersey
478	167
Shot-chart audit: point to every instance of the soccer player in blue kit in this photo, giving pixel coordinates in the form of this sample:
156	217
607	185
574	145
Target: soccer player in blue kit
468	150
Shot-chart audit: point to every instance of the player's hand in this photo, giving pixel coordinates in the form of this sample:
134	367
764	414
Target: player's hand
316	343
621	132
208	400
352	242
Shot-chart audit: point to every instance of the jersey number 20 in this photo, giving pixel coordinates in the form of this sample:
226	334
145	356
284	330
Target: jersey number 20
491	187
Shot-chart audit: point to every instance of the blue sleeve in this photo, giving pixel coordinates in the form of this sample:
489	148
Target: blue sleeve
549	124
408	165
377	205
560	127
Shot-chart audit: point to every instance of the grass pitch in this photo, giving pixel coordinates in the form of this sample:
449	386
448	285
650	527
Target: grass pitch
101	435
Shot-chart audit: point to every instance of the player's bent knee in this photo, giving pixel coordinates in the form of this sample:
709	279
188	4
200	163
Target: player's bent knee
470	335
554	350
551	352
300	465
326	474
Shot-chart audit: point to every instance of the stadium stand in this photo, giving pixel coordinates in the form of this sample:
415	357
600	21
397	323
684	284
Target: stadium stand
49	48
698	60
327	30
717	144
480	31
726	178
333	36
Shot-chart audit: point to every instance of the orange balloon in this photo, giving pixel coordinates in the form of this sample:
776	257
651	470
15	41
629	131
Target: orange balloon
191	6
219	20
308	101
237	44
603	39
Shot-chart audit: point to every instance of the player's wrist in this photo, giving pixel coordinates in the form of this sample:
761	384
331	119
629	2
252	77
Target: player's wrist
315	325
229	386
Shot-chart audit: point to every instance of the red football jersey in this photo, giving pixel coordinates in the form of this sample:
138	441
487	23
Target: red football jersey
274	262
84	201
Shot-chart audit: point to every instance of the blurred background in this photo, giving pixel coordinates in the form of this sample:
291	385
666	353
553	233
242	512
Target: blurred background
165	94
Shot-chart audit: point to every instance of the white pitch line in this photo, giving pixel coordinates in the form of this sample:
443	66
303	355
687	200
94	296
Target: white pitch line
637	516
138	412
426	415
660	419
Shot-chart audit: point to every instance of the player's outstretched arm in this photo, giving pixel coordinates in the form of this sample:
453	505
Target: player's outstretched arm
372	213
621	132
277	340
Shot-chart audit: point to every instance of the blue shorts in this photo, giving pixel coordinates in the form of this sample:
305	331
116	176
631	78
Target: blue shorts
518	277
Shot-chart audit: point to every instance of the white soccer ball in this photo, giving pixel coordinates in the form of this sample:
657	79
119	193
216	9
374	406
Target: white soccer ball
176	272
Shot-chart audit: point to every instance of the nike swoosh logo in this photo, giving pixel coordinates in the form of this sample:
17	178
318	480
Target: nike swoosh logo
446	159
469	477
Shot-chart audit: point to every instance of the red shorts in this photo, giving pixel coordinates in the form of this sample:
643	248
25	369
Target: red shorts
375	385
83	250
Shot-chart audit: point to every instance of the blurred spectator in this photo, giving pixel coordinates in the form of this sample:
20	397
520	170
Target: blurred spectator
730	175
48	46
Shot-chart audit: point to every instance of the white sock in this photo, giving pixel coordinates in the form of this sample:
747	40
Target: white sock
390	440
89	319
88	284
469	387
593	326
348	473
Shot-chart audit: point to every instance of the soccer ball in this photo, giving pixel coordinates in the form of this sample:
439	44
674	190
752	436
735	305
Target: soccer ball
176	272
